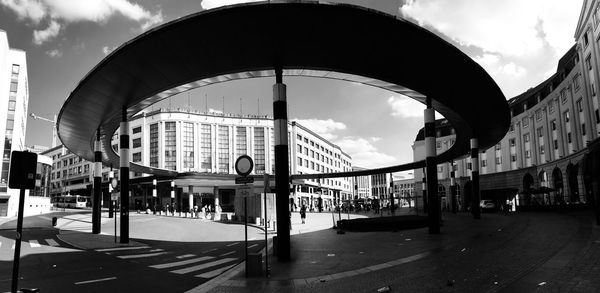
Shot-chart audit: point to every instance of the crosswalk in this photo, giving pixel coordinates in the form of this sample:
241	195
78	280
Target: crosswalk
33	243
199	265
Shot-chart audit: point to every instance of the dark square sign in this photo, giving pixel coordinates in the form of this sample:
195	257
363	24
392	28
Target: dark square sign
23	166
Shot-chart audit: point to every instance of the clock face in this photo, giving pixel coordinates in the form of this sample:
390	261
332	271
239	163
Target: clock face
244	165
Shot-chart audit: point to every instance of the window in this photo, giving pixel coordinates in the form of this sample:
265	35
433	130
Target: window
259	150
299	137
553	124
299	161
563	96
498	146
15	68
188	144
299	149
512	142
551	106
512	127
440	169
13	86
585	40
569	137
170	146
137	157
582	128
513	158
579	106
542	150
540	132
526	137
438	144
555	144
154	145
223	148
575	82
525	121
597	116
137	129
241	138
527	154
566	116
498	160
483	163
538	115
137	142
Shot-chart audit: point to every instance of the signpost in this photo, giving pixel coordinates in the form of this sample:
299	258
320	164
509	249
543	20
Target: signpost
22	176
244	166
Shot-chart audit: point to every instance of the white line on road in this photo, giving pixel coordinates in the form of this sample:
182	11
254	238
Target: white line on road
203	266
252	245
214	273
52	242
180	263
156	250
209	250
232	244
122	248
186	256
228	253
141	255
34	243
94	281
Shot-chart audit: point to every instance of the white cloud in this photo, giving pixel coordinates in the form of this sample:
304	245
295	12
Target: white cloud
54	53
26	9
495	65
106	49
405	107
324	128
40	37
363	153
375	139
510	27
210	4
62	12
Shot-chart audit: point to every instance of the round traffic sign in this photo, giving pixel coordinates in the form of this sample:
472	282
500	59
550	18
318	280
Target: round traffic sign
244	165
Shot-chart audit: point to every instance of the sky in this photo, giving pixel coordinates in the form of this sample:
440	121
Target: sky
518	42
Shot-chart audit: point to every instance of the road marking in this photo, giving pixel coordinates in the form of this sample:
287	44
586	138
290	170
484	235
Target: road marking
95	281
186	256
141	255
232	244
122	248
180	263
214	273
209	250
203	266
251	239
156	250
252	245
228	253
34	243
52	242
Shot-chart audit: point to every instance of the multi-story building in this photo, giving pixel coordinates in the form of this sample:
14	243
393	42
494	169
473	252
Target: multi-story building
544	158
204	147
362	185
404	190
14	99
381	185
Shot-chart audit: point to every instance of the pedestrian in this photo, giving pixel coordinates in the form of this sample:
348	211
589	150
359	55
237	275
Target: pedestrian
303	214
195	211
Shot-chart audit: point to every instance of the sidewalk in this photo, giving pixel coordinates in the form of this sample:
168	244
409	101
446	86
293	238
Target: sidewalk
522	252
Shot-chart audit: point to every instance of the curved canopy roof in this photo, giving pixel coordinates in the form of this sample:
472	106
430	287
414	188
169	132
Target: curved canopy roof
305	39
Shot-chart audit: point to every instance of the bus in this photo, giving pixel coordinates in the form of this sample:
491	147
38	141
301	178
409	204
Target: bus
71	201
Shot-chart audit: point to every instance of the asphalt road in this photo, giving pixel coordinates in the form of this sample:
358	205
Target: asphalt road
177	254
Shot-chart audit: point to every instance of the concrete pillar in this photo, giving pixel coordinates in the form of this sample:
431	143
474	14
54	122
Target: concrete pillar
282	189
431	171
191	197
96	202
475	196
124	176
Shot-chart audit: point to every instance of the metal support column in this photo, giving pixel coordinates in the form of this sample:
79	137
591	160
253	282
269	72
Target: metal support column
96	209
124	176
475	196
282	189
431	171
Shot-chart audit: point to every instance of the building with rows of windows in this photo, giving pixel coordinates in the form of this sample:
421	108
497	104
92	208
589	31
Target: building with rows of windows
549	155
204	147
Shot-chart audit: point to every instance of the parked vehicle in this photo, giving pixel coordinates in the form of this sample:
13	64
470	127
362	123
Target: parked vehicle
487	204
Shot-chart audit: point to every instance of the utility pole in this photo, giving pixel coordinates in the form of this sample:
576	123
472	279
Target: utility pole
54	134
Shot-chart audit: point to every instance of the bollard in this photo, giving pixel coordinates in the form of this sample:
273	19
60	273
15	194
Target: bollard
54	221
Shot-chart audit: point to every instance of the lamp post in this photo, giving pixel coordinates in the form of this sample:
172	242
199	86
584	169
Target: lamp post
154	196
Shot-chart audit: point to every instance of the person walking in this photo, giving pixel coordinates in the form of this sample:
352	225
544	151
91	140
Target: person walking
303	214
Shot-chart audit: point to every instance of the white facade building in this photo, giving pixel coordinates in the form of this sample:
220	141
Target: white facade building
14	98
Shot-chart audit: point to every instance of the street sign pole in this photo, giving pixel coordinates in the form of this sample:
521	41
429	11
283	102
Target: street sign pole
266	185
15	275
246	231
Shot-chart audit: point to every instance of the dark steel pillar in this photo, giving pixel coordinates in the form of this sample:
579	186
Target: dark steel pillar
282	189
124	176
431	167
96	209
475	194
